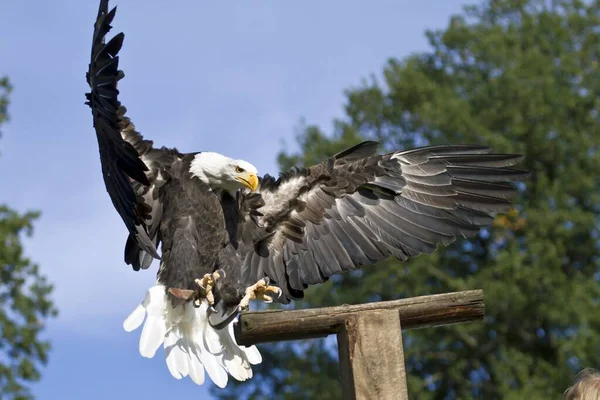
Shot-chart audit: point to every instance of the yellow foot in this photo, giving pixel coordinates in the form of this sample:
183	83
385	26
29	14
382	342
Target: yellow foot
258	291
207	283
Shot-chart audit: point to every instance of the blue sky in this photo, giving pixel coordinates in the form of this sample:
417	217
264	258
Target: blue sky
229	77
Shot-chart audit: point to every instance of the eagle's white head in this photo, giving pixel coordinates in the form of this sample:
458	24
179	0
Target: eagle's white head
222	172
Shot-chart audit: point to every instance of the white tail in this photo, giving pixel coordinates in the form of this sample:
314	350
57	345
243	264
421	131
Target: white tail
191	344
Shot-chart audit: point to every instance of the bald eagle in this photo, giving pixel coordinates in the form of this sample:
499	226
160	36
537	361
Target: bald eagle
229	236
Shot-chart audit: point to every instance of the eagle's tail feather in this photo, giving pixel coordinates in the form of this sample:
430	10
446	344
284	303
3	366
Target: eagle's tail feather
191	345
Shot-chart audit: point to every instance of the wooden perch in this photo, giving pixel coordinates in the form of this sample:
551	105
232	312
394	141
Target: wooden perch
369	335
415	312
372	357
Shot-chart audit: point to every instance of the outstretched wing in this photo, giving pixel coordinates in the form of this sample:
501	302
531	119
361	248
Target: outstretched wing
358	208
131	167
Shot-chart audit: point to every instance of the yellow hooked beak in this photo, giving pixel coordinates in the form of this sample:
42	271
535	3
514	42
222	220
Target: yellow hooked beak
249	180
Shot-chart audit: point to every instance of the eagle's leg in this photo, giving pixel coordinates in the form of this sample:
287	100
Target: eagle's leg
207	283
258	291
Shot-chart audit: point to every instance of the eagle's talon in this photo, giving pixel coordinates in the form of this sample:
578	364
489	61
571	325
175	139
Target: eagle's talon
208	283
274	289
258	291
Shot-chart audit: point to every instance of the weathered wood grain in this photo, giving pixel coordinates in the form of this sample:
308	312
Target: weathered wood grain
415	312
372	357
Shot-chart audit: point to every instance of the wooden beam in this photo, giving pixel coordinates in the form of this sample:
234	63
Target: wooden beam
415	312
372	357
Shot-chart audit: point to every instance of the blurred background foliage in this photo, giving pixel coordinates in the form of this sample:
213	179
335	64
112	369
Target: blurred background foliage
25	301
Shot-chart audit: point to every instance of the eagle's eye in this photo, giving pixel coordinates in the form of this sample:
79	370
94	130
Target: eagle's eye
239	169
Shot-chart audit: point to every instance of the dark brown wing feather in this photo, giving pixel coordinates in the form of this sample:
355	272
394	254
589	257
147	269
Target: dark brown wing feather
358	208
131	167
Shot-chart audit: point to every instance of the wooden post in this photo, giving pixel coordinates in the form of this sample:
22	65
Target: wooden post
369	335
372	357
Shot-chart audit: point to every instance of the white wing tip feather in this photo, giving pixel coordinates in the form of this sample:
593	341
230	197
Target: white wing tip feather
192	347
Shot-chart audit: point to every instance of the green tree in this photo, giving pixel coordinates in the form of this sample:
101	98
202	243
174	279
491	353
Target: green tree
520	76
24	298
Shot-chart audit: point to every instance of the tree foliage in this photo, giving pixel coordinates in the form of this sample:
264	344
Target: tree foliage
520	76
5	89
24	299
